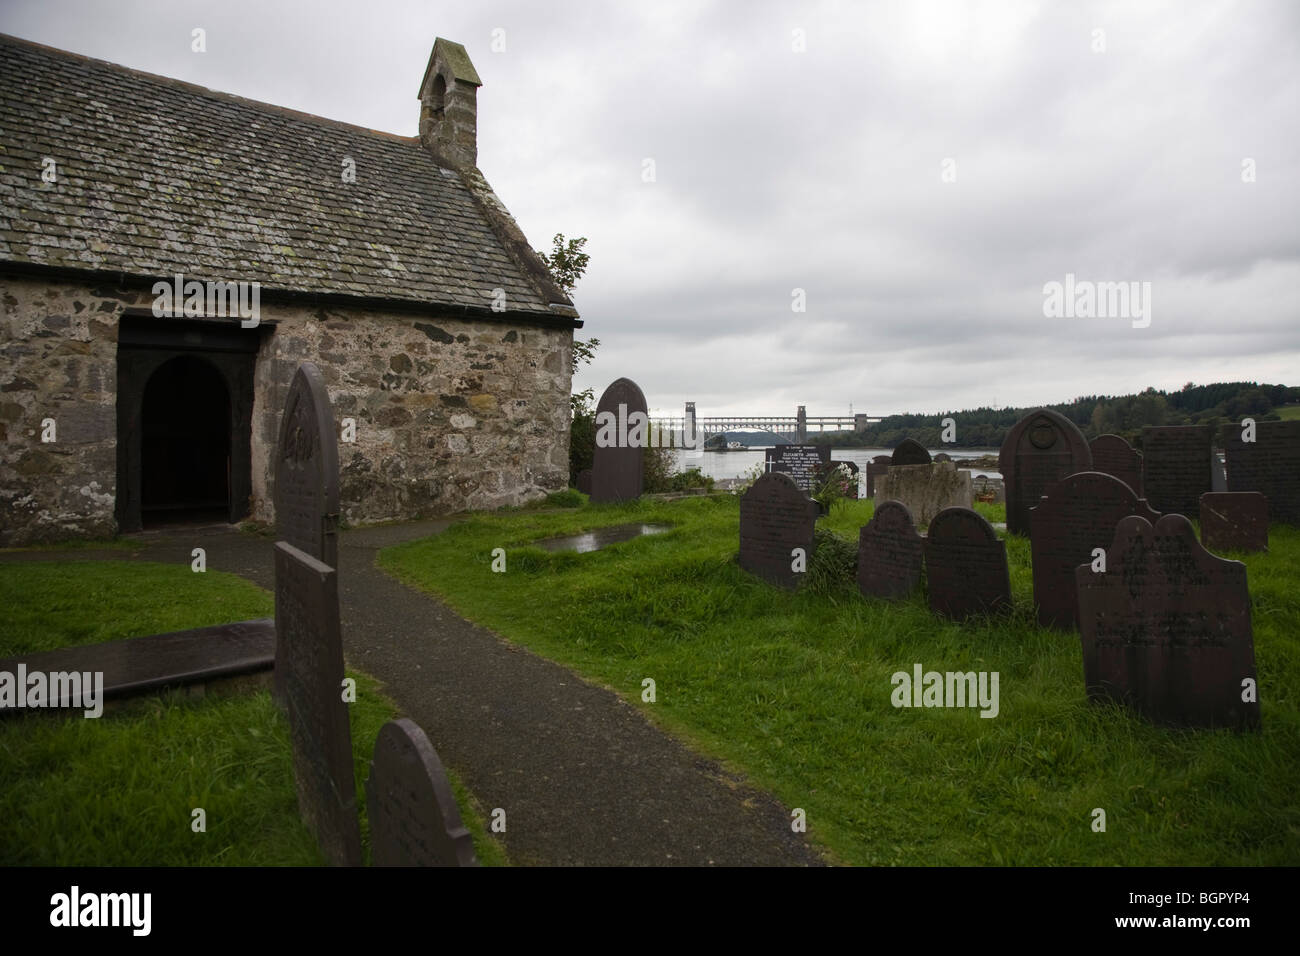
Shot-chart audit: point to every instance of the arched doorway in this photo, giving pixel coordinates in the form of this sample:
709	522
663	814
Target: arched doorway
185	432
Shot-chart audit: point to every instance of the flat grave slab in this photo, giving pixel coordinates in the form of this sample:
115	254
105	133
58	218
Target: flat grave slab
1234	521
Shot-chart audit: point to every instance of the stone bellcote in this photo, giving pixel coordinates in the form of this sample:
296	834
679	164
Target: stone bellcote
448	104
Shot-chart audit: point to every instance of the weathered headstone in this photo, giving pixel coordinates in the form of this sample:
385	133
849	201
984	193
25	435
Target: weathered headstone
909	451
307	469
775	518
889	553
1078	514
803	463
414	820
1112	455
1176	467
966	565
1234	521
1166	629
926	490
309	682
584	481
622	434
1270	465
1041	449
875	468
943	456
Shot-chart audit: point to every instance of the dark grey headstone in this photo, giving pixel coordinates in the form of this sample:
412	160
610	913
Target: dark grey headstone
1270	465
1234	521
775	518
943	456
1079	513
307	469
965	565
414	820
584	481
309	681
1040	450
1166	629
1114	456
875	468
1176	467
618	460
803	463
909	451
889	553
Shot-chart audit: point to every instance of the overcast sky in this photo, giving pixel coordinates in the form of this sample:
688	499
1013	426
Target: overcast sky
919	169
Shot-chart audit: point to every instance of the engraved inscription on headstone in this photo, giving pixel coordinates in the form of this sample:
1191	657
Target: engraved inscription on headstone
1114	456
1078	514
307	469
617	462
1176	467
1166	629
965	565
775	518
1234	521
414	820
803	463
309	679
1041	449
909	451
875	468
889	553
1270	465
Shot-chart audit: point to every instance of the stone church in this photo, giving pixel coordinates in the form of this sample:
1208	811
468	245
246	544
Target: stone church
386	260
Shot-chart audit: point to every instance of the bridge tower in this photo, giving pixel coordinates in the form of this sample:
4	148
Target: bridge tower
801	426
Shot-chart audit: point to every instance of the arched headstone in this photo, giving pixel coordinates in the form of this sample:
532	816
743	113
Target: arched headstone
775	518
1114	456
1041	449
622	433
307	469
889	553
909	451
414	820
965	565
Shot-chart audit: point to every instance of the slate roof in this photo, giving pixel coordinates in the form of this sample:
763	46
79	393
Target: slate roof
157	176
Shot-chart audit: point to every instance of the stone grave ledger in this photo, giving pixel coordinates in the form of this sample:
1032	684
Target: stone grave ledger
1040	450
1270	465
1176	467
926	490
909	451
309	682
307	469
1234	521
1112	455
1078	514
889	553
775	518
803	463
617	463
414	820
877	467
1166	628
966	565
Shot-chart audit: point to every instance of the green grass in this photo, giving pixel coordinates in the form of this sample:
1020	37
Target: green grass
120	790
1288	413
795	691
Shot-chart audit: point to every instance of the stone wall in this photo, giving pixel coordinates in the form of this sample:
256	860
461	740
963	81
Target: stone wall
451	415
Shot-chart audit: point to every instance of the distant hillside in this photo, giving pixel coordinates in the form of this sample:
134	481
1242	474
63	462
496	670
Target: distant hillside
748	439
1095	415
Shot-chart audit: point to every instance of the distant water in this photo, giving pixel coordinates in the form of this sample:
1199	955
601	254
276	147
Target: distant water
734	464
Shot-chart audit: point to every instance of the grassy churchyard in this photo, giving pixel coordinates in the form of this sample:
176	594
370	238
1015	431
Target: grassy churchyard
795	691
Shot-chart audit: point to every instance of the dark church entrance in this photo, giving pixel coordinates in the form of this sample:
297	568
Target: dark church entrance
184	417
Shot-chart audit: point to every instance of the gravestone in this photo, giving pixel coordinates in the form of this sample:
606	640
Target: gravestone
1270	465
414	820
622	433
926	490
875	468
584	481
1040	450
1114	456
307	469
1234	521
943	456
889	553
1166	629
966	565
852	478
309	683
803	463
775	518
909	451
1079	513
1176	467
